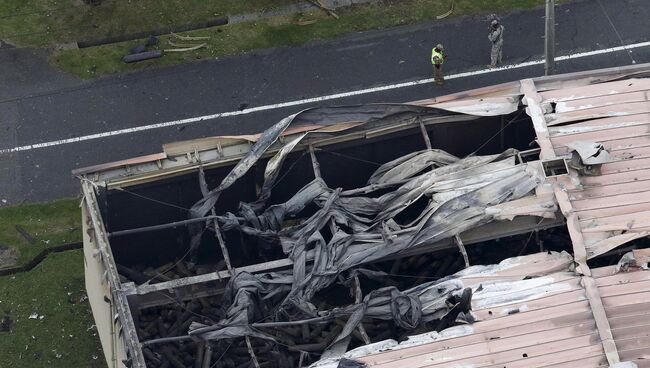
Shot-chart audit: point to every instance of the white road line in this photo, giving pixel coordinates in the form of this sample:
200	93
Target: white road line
310	100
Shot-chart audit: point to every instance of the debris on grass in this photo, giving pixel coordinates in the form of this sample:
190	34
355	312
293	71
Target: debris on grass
25	234
451	10
6	323
8	256
189	38
36	316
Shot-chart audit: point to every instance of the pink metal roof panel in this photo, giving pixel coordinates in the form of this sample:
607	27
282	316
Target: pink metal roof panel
627	302
612	207
604	135
613	122
588	103
626	165
522	322
614	211
615	178
562	333
595	90
605	190
615	147
572	320
619	109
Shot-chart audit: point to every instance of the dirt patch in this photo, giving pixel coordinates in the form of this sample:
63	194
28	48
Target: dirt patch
8	256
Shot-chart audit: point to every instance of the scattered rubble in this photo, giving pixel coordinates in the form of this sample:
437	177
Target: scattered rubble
36	316
6	323
8	256
273	250
25	234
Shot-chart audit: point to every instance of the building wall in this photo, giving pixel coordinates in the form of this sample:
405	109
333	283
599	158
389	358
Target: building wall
99	292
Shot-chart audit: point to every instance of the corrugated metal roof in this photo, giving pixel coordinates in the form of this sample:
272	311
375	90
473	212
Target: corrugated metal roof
532	311
626	298
612	208
540	310
570	317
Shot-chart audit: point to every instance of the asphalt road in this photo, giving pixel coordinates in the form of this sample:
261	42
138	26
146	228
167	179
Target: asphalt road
38	104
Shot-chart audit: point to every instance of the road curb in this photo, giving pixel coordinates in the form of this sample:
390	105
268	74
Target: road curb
231	19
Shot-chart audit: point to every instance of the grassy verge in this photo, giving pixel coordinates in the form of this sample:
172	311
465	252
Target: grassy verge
42	23
49	224
60	331
244	37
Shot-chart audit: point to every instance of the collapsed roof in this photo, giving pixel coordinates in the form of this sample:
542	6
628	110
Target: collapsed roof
590	170
533	311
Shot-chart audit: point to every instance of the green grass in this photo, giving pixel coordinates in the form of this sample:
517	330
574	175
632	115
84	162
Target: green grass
42	23
244	37
65	336
49	224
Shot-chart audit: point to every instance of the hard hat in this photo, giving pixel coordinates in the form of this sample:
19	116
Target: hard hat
439	46
495	22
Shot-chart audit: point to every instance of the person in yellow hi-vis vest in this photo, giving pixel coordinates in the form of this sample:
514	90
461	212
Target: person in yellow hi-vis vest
438	57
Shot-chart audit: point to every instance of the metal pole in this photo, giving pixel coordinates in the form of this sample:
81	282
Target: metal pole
549	39
161	226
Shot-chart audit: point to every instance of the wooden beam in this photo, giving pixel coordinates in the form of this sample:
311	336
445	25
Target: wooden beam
213	276
358	298
536	113
217	230
602	323
160	227
425	135
314	162
560	188
251	352
462	249
486	232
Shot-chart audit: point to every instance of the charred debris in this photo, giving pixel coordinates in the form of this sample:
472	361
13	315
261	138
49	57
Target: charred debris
323	237
339	228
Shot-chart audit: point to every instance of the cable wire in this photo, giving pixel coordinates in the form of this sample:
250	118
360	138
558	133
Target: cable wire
349	157
172	266
153	199
221	356
530	237
497	133
288	170
412	276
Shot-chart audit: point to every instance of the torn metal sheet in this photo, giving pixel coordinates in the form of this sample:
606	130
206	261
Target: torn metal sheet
409	165
546	309
591	153
602	125
535	330
319	116
597	112
460	193
607	125
409	308
485	106
638	258
542	205
505	283
596	90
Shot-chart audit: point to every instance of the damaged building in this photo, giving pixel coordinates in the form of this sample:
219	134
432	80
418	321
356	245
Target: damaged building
499	227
